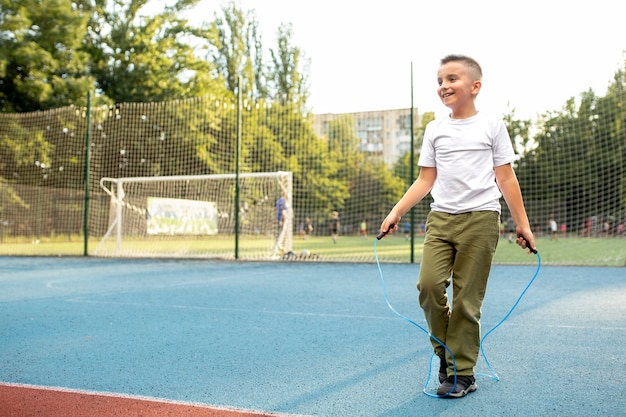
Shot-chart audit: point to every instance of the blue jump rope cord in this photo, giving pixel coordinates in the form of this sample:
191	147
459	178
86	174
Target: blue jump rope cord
494	376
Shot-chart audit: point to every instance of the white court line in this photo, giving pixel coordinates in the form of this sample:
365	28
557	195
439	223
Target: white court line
331	315
239	310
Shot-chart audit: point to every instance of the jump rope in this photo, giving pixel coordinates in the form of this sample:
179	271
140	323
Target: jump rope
493	374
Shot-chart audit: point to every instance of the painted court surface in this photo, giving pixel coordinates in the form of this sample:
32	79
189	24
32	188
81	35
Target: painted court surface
115	337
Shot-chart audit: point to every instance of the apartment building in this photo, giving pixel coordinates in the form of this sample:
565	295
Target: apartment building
384	134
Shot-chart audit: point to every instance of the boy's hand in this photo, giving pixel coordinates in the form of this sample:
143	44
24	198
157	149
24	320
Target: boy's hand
389	226
526	240
385	232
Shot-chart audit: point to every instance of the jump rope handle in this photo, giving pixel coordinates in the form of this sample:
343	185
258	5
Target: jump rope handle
382	234
529	248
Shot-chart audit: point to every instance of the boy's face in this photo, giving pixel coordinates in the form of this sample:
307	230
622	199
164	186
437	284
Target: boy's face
458	86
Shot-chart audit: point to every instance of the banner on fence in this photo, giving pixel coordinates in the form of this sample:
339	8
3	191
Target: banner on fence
173	216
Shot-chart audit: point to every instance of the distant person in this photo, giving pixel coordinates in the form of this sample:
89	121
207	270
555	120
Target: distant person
553	229
307	228
470	153
510	226
363	229
407	230
606	227
281	210
334	226
536	226
588	226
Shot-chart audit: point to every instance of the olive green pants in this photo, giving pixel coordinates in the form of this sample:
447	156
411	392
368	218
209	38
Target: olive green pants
458	248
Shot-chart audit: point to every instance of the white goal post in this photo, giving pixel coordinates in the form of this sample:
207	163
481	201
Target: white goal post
195	216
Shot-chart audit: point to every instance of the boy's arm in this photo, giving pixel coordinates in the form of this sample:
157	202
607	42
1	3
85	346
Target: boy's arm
418	190
509	186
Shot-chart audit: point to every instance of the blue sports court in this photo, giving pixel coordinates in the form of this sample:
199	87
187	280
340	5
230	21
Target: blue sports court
312	339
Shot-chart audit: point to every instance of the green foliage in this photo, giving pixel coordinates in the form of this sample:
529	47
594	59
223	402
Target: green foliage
23	151
402	169
343	146
10	204
236	50
161	139
52	52
262	150
140	58
587	142
373	191
42	64
288	81
235	47
519	131
316	183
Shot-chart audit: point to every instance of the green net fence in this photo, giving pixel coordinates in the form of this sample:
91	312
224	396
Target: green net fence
204	177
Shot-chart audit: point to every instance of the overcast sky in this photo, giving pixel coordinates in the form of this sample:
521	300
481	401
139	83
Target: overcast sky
535	54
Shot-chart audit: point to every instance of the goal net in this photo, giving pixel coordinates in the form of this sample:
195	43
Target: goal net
207	216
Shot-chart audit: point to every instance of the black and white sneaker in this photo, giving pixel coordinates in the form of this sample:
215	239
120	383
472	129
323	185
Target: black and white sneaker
464	385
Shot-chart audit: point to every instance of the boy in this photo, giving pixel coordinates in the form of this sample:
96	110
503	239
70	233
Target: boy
465	164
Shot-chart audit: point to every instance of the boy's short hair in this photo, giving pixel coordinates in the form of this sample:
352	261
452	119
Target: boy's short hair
471	63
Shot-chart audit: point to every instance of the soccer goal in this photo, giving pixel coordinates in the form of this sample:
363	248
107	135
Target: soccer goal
195	216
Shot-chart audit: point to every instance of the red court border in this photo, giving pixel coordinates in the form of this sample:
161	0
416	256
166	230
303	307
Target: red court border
20	400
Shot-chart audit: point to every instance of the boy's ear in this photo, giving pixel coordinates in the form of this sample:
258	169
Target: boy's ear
476	87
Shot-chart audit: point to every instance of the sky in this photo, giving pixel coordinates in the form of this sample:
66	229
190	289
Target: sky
535	55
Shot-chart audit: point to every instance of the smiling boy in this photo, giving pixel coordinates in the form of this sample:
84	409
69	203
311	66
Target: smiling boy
465	164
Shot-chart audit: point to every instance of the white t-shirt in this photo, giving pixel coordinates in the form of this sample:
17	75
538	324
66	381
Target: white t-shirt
465	152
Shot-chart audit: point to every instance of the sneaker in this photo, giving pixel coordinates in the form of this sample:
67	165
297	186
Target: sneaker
443	369
464	385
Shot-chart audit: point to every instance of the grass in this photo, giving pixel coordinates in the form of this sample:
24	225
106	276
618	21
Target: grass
565	251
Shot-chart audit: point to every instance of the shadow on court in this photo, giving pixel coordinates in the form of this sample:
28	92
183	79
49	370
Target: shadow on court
311	339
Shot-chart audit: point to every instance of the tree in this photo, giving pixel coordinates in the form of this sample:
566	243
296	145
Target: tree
373	192
315	170
24	152
236	50
288	79
42	63
577	168
343	146
402	169
148	58
519	133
